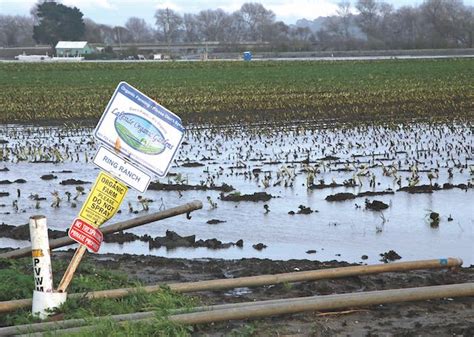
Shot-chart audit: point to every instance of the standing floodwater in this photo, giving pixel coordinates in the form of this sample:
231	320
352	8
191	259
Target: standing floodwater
332	191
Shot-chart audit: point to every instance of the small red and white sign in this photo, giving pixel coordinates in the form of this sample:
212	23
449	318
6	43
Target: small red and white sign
86	235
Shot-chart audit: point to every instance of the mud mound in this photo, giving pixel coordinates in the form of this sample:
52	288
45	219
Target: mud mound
214	221
74	182
22	232
259	246
323	186
375	205
391	255
121	237
48	177
157	186
236	197
8	182
350	196
192	164
173	240
302	209
434	187
340	197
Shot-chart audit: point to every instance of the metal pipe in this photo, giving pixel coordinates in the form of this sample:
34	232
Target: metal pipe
253	281
119	226
251	310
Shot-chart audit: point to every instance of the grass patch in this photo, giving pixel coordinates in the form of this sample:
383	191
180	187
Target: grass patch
16	282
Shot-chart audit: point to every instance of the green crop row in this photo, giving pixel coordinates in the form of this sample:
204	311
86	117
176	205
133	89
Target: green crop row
223	92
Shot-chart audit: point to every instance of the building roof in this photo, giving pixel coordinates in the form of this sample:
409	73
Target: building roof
71	44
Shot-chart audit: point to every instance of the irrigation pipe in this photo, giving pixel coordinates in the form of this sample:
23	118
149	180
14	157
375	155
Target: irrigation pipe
253	281
137	316
251	310
329	302
119	226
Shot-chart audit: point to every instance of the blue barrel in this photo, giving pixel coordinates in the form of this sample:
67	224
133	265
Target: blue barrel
247	56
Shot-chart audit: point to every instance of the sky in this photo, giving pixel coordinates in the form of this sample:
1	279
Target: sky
116	12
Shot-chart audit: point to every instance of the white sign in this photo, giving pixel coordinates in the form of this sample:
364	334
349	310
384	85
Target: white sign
140	129
122	169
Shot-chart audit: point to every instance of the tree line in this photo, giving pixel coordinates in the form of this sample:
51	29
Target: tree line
363	24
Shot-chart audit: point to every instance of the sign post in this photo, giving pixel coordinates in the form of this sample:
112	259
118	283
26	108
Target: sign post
139	139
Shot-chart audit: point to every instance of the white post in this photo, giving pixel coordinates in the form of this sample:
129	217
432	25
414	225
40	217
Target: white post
44	296
42	270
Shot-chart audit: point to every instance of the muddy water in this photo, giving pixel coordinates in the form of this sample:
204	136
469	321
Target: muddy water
338	230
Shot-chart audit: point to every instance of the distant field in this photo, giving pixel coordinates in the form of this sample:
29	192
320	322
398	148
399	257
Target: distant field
244	91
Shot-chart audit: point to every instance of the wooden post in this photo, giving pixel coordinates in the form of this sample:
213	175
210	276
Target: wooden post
71	269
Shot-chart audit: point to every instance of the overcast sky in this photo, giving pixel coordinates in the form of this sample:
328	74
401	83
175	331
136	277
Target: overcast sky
116	12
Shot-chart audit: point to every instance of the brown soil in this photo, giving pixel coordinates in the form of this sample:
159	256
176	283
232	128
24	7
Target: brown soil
444	317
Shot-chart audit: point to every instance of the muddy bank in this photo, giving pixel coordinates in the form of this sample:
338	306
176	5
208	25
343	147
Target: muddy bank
444	317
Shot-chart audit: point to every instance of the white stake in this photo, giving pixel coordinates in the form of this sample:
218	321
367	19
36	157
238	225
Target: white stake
42	270
44	296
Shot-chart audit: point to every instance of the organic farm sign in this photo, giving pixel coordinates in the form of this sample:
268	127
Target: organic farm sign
140	130
103	201
101	205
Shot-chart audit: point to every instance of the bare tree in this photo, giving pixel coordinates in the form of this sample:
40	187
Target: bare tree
191	28
278	34
93	32
139	30
122	35
344	14
211	24
16	31
255	18
169	23
448	23
368	18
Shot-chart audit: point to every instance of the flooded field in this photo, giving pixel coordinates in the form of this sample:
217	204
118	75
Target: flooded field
410	189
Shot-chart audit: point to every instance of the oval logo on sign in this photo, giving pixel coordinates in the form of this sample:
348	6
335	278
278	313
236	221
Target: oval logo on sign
140	134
